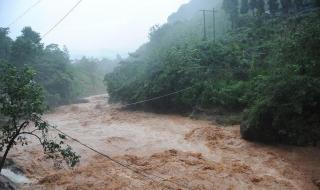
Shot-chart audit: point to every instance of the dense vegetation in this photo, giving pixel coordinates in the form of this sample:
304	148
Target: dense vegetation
63	80
266	66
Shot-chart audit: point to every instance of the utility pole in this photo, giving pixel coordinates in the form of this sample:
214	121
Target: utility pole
204	25
213	24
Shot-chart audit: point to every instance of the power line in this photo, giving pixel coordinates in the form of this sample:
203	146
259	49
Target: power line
24	13
62	19
183	70
98	152
158	97
204	25
127	166
103	154
166	95
121	164
213	24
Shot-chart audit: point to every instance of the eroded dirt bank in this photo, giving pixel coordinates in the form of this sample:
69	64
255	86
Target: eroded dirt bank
191	154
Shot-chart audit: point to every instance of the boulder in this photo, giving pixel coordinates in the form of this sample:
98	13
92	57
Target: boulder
6	184
11	165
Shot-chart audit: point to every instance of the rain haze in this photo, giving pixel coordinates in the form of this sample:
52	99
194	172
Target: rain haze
95	28
159	94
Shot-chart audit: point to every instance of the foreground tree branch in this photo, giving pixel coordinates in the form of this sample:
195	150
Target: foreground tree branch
21	107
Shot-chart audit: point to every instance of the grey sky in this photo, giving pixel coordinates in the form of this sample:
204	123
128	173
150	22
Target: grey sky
96	27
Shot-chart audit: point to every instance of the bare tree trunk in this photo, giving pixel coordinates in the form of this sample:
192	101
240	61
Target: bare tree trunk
11	144
6	152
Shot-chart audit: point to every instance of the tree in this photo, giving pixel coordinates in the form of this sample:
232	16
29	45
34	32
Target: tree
260	7
244	6
5	43
21	107
27	48
285	5
253	6
231	7
298	4
58	84
273	6
90	66
52	65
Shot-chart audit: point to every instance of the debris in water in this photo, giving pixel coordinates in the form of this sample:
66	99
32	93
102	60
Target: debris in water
16	178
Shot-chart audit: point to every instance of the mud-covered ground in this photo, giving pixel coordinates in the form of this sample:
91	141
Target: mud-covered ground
169	151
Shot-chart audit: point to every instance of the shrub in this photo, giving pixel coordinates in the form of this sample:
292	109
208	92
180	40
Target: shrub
288	113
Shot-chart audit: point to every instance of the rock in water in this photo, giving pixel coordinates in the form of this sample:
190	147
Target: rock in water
6	184
11	165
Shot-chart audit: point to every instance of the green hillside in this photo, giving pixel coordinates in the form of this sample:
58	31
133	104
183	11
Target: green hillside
264	64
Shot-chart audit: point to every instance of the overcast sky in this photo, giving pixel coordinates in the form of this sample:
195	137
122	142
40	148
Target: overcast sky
100	28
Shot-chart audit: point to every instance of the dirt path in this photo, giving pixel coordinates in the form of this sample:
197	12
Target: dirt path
195	154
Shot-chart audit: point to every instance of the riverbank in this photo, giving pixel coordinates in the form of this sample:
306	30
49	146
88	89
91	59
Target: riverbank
184	153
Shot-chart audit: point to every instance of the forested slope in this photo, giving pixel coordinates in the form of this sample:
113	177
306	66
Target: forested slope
62	79
266	66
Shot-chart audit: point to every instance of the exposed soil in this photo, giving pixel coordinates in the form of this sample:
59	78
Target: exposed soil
174	152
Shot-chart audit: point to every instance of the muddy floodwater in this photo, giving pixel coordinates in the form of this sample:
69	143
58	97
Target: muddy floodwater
171	151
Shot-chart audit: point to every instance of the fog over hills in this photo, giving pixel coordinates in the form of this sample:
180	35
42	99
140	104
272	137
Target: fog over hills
191	9
95	27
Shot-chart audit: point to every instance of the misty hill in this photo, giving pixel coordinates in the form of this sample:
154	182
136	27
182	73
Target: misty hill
256	72
191	9
63	80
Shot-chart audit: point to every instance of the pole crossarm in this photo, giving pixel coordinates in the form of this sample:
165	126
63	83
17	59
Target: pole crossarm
213	11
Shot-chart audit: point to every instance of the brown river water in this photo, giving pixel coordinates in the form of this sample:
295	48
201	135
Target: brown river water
171	151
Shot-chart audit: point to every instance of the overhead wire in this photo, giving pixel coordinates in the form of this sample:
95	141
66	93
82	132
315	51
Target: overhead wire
139	102
158	97
127	166
165	95
24	13
143	174
121	164
182	70
62	19
82	144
